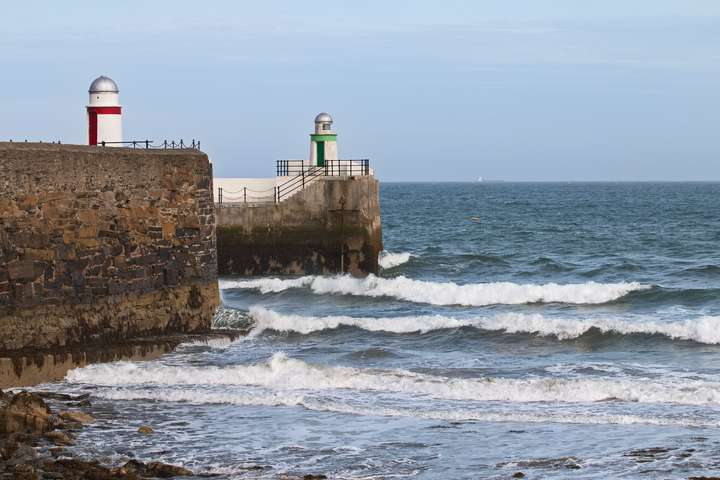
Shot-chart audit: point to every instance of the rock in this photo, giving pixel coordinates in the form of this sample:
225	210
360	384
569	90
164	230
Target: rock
145	430
25	412
314	477
74	468
52	476
14	451
60	438
56	451
155	469
77	417
518	475
164	470
24	471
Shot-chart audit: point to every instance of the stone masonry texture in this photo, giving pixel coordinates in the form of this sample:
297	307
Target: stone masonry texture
306	233
98	245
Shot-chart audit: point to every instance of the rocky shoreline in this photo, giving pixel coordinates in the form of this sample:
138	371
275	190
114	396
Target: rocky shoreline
39	428
34	441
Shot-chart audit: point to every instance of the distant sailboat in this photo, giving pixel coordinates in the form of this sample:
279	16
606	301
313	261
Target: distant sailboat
480	179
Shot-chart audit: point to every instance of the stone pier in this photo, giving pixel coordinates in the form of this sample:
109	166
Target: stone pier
99	245
332	225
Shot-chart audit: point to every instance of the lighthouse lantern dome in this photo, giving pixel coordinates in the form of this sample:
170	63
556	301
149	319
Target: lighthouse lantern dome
323	123
103	84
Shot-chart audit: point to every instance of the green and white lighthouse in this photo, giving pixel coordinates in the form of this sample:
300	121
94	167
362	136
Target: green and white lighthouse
323	143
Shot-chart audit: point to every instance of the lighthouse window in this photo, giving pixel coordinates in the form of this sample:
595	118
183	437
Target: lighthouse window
326	126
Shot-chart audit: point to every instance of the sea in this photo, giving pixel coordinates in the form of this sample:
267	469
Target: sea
542	330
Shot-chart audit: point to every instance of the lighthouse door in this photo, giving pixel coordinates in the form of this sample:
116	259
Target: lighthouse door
320	154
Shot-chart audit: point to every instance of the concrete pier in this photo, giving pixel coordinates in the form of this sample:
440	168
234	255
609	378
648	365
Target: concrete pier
331	226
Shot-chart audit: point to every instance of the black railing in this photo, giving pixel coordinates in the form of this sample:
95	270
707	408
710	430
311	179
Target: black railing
298	182
333	168
301	175
246	195
166	144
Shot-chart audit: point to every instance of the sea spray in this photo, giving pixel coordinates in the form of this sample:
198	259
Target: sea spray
705	329
281	373
445	293
388	260
204	396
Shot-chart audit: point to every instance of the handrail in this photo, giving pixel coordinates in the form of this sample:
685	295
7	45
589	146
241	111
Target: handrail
339	167
166	144
301	175
172	144
305	177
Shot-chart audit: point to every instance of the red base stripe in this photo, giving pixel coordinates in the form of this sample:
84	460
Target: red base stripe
105	110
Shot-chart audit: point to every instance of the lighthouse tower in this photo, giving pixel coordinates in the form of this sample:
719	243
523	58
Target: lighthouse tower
104	112
323	143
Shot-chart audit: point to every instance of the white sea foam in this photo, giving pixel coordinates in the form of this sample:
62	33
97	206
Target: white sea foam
445	293
215	342
388	260
198	396
702	330
285	375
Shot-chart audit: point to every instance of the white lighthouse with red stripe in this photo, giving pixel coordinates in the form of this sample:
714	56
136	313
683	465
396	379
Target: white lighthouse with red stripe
104	113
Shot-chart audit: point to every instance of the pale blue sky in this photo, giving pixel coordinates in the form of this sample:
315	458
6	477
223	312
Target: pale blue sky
429	90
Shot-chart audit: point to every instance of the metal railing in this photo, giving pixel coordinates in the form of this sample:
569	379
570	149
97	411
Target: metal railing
305	174
166	144
298	182
286	168
301	175
246	195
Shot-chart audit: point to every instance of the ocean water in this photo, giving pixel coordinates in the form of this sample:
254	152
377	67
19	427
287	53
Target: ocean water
563	330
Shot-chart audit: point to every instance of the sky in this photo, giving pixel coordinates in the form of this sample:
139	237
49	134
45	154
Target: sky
516	90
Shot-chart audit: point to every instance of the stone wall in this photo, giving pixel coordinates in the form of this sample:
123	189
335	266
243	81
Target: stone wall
99	245
306	233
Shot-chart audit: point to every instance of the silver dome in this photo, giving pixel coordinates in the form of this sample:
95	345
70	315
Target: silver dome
323	117
103	84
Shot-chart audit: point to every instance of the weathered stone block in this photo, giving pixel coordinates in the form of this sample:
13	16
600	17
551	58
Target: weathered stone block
88	244
23	270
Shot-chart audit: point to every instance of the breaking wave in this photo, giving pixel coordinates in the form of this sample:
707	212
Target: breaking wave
283	374
445	293
388	260
702	330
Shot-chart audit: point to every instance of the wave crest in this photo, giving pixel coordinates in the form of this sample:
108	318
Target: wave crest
445	293
388	260
702	330
283	374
